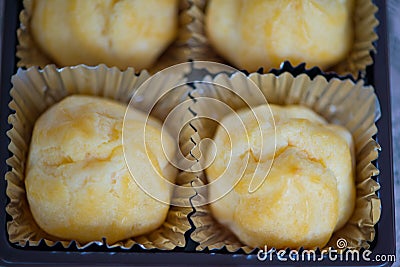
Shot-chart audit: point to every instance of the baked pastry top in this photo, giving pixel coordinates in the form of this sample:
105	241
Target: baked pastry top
77	181
307	172
264	33
122	33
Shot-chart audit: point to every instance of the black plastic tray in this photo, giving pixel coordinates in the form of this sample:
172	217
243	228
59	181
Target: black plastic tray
384	243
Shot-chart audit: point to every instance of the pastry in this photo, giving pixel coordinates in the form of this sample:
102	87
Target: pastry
309	188
264	33
77	182
122	33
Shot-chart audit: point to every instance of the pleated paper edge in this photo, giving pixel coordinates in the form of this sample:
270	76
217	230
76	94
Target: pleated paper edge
283	89
34	90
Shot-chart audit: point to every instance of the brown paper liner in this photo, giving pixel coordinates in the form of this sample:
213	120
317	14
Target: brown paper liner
35	90
342	102
357	60
30	55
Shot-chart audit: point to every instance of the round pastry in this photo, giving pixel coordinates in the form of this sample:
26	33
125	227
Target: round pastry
77	182
264	33
122	33
308	191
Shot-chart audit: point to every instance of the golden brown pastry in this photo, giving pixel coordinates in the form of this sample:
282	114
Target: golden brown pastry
122	33
308	191
264	33
77	182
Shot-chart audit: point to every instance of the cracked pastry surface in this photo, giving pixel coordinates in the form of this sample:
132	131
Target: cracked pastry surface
309	187
77	182
122	33
264	33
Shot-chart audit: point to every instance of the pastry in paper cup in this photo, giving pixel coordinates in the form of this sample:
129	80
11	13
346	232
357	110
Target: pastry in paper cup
50	35
36	97
345	103
244	35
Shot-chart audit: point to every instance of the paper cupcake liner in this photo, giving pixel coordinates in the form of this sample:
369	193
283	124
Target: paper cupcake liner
199	47
31	55
342	102
355	63
191	43
179	51
27	51
34	90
